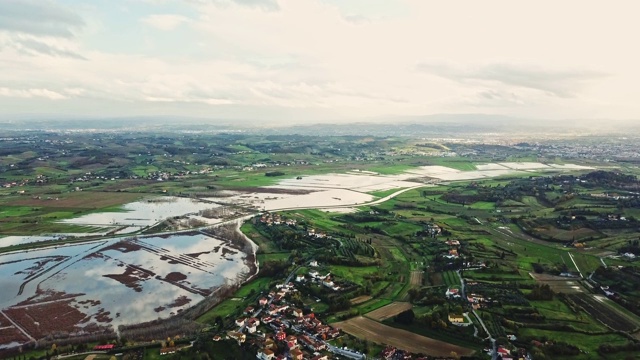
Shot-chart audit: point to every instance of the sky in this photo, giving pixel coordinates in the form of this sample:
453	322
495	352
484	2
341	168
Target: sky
313	60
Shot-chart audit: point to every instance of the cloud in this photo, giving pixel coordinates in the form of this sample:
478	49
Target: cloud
31	93
38	17
557	82
33	47
268	5
164	22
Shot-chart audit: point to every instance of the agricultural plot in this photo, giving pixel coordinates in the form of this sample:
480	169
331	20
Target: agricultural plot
416	278
559	284
595	306
371	330
389	311
451	278
360	299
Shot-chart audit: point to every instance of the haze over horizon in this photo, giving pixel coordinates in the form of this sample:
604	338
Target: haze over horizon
306	61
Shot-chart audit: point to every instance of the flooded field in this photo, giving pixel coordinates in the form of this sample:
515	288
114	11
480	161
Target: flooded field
316	198
103	284
351	188
140	214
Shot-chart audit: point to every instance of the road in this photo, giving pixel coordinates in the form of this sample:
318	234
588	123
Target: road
345	353
494	348
576	265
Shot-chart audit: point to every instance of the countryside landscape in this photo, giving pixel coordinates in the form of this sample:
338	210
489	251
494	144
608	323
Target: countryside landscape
319	180
239	244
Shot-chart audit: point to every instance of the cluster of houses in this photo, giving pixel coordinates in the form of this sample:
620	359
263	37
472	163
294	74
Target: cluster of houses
314	275
477	301
281	331
506	354
391	353
453	249
39	179
433	230
276	219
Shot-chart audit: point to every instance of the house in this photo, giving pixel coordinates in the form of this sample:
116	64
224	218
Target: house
263	301
503	352
452	293
103	347
299	278
313	263
292	338
296	354
237	336
269	344
333	333
265	354
320	357
388	352
456	319
297	313
248	310
251	328
217	338
280	336
240	321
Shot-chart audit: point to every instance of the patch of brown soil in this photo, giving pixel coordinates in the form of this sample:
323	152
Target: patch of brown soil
364	328
388	311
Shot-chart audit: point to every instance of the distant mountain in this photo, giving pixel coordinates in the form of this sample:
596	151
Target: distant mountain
441	125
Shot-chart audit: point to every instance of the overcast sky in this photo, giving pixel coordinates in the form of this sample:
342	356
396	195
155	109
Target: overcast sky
310	60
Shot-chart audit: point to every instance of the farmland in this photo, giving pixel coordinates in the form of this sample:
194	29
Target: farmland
542	250
383	334
388	311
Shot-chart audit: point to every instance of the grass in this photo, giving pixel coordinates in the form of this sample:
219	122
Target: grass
353	274
557	311
273	256
586	262
253	287
483	205
226	308
373	304
236	304
383	193
451	278
265	245
586	342
317	218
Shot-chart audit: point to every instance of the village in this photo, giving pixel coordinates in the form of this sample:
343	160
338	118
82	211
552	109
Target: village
281	331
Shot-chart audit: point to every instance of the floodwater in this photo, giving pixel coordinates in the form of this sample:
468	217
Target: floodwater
144	213
315	198
134	280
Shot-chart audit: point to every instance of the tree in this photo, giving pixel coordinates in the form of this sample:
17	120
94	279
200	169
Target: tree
405	317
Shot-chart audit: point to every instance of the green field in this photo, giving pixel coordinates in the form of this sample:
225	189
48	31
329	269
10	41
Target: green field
353	274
